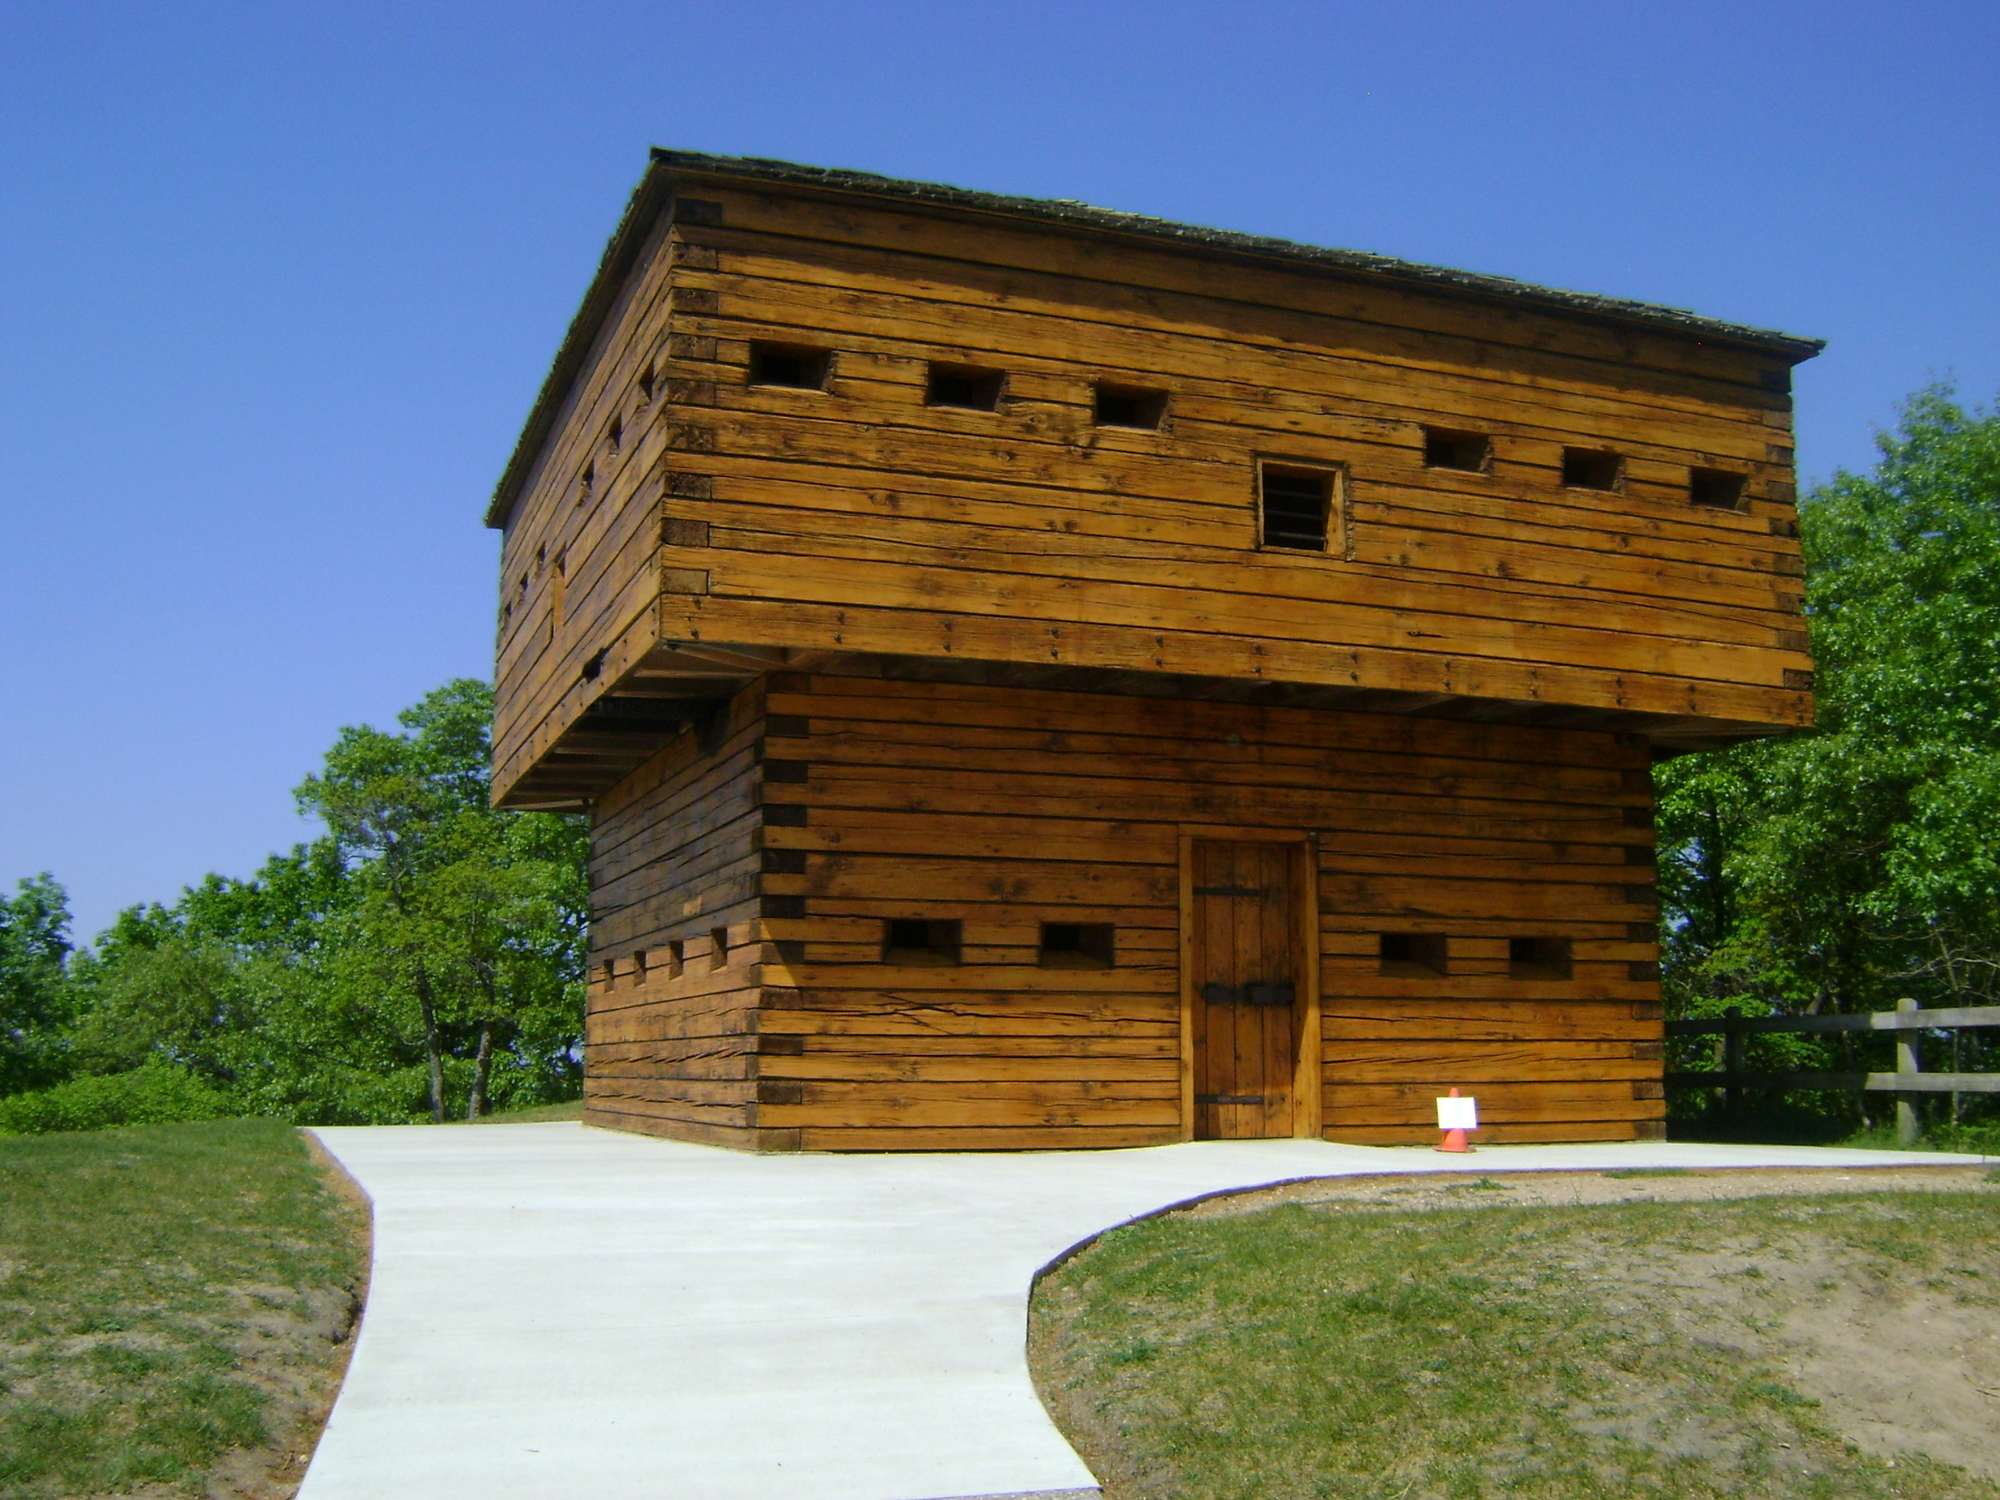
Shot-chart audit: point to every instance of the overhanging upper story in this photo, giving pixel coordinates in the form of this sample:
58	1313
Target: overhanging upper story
811	416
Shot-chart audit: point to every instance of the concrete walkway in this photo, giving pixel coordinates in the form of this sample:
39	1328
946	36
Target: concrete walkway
559	1312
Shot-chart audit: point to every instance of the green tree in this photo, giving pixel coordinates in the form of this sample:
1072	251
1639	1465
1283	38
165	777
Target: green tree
425	953
472	919
1842	868
508	911
181	997
35	1002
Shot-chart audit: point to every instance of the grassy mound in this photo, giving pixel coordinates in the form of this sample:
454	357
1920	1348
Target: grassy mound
174	1302
1763	1347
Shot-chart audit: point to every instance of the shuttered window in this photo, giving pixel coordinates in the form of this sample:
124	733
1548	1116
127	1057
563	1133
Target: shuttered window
1294	505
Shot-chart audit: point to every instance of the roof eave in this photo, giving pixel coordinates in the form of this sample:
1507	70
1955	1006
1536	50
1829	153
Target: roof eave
649	198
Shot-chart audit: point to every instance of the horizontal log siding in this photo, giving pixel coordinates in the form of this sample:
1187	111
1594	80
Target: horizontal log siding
674	856
1003	808
858	519
608	537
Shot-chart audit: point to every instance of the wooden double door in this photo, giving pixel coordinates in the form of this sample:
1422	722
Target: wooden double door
1248	983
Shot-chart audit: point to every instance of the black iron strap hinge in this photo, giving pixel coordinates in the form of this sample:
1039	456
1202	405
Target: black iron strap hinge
1231	890
1229	1098
1248	994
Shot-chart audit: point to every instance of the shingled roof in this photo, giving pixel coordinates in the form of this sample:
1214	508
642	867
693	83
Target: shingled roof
665	168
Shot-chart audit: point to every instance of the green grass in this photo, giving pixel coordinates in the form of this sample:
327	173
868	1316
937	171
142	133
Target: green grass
1786	1121
170	1295
1938	1135
1332	1351
535	1114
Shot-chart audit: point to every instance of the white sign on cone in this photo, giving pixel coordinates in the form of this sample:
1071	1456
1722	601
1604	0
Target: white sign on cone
1458	1114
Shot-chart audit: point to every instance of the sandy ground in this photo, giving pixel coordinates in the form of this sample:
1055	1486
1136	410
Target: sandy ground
1898	1364
289	1359
1573	1189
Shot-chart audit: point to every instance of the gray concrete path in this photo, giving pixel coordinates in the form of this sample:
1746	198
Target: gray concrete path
567	1314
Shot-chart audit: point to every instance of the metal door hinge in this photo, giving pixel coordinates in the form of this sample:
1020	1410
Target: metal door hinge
1249	994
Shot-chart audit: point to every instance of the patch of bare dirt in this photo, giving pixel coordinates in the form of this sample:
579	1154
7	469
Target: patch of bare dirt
1574	1189
282	1340
1901	1360
1903	1370
282	1347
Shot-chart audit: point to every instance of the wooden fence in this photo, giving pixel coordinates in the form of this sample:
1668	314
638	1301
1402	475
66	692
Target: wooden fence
1907	1081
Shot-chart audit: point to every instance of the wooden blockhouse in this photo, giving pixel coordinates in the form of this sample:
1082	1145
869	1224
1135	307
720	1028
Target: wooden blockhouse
1045	677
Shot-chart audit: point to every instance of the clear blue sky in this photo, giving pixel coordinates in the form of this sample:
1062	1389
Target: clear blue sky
278	283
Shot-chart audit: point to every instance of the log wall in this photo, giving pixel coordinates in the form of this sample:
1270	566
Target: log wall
932	530
579	580
858	518
1000	809
674	973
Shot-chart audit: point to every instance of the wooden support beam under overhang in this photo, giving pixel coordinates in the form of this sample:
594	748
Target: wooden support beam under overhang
670	690
676	684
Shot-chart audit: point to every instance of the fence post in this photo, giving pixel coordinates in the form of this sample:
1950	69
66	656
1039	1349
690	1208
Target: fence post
1957	1066
1732	1063
1906	1062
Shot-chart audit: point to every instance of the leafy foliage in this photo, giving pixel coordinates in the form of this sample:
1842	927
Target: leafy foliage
424	956
34	1000
154	1093
1845	868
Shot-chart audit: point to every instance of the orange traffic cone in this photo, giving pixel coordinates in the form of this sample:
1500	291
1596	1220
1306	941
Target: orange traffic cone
1455	1117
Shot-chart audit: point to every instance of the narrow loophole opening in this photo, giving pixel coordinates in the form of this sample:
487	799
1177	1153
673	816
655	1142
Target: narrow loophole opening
793	366
1130	406
1077	945
1717	489
1446	448
1590	469
1538	958
920	940
1413	955
965	387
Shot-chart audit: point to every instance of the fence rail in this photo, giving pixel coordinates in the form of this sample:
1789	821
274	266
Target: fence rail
1888	1083
1941	1019
1907	1081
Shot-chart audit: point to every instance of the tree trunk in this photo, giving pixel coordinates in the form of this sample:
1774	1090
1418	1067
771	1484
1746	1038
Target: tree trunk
433	1046
481	1066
